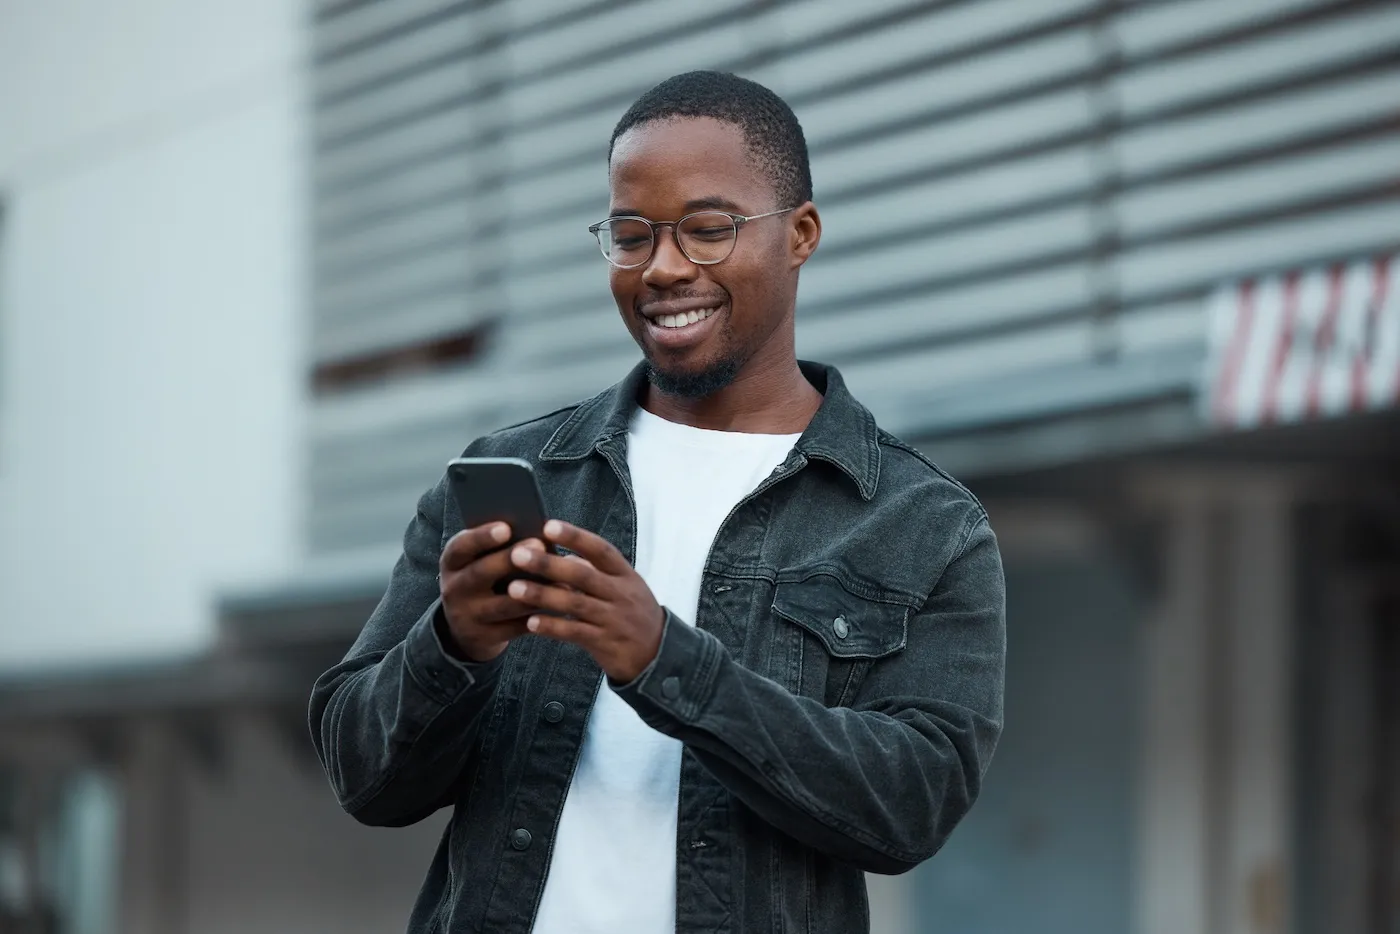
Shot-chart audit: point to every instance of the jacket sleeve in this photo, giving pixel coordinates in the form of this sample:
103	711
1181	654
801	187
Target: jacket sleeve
880	784
396	721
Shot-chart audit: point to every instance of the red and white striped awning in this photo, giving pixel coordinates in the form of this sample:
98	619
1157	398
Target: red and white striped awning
1304	344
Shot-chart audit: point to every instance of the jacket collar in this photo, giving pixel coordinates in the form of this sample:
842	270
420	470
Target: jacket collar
842	433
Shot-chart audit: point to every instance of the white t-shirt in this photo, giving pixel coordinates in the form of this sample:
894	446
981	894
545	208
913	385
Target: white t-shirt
614	862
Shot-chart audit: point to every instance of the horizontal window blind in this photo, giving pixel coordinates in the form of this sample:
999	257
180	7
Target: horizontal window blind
1024	201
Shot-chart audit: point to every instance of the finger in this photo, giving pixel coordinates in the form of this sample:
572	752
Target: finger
483	573
560	601
500	611
469	544
576	631
463	603
570	570
596	549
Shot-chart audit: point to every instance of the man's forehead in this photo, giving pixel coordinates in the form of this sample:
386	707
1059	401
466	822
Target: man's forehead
677	136
698	160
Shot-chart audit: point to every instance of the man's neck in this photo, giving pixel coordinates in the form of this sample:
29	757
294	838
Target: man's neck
776	401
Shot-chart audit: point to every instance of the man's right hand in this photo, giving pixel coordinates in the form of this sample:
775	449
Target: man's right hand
480	622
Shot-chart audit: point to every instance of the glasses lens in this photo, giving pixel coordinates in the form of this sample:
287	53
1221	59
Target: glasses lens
707	238
625	242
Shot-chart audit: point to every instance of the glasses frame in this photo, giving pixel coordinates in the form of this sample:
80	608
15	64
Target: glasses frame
739	221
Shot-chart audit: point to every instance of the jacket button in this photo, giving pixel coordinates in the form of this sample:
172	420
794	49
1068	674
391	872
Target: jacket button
520	838
553	711
671	688
841	628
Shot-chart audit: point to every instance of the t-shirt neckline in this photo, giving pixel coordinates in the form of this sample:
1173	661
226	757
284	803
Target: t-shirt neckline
650	423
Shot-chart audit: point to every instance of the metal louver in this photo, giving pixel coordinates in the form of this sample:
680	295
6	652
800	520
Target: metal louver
1025	203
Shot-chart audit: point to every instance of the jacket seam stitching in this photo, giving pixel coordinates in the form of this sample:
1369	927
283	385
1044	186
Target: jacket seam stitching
890	440
706	677
484	740
846	582
578	412
973	523
538	418
437	694
873	452
339	700
846	692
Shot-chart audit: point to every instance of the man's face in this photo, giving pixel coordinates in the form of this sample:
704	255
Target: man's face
663	171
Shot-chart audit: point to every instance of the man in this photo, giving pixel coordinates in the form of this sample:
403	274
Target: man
821	693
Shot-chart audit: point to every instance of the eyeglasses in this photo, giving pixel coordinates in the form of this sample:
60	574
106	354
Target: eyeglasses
706	237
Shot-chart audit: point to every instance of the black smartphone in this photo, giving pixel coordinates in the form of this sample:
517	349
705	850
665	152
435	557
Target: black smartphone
499	489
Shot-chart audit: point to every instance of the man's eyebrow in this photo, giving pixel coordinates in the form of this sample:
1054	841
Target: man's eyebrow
712	203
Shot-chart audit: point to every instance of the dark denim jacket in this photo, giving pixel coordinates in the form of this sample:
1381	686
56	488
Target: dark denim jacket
839	697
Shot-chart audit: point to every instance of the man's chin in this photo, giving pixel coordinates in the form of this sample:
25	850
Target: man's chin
693	384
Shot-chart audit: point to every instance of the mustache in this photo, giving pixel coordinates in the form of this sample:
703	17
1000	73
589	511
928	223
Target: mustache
656	298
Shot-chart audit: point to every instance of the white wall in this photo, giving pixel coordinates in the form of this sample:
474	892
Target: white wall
151	155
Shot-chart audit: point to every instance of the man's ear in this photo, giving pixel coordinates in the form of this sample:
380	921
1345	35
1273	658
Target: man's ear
806	233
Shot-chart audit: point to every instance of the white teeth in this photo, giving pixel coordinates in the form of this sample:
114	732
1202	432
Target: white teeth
685	318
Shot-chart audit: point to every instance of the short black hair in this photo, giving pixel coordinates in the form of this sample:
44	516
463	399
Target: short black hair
770	128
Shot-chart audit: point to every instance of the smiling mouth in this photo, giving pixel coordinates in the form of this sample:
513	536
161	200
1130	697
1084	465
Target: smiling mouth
683	319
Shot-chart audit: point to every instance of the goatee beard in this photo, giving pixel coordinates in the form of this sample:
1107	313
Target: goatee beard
695	385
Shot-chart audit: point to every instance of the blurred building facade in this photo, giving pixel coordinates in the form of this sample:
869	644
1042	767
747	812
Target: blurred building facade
1121	266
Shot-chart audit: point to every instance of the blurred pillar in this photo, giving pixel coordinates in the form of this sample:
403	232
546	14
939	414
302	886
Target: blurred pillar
152	884
1215	817
1259	748
1343	731
35	802
1173	844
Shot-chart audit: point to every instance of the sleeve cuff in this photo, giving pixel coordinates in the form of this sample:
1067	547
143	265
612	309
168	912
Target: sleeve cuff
677	685
441	676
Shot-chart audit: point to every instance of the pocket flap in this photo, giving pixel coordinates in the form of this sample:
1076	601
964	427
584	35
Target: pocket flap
847	625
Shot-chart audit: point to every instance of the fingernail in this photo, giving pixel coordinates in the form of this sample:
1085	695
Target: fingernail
517	589
500	532
521	555
533	623
553	528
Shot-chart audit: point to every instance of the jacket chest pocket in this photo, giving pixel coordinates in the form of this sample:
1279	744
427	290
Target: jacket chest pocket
832	637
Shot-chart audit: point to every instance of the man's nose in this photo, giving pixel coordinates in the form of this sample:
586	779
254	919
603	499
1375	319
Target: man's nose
668	265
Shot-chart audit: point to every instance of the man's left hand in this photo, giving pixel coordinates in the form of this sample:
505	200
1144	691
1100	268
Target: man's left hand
603	605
